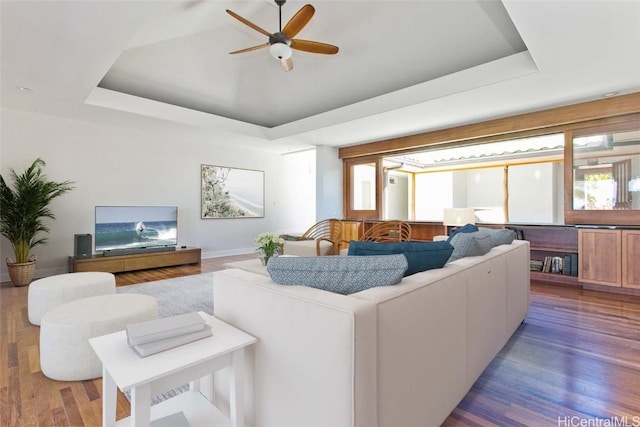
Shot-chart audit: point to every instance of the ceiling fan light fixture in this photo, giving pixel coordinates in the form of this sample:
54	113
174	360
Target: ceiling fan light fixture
280	51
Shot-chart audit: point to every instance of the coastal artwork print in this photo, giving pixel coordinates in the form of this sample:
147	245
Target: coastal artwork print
231	192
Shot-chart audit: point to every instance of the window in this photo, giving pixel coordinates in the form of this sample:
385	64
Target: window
538	171
363	198
505	181
604	174
606	170
364	187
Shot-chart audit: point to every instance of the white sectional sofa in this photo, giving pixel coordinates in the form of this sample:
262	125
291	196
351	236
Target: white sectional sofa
394	356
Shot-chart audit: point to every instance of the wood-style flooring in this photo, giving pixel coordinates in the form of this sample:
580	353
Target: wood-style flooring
574	361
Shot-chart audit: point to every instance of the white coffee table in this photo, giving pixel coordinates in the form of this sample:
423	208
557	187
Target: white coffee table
152	375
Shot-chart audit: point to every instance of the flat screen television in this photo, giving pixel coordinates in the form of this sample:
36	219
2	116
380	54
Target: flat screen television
135	227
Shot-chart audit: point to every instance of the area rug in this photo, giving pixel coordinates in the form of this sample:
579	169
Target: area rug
176	296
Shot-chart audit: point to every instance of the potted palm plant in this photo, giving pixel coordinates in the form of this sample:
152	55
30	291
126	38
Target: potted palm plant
22	210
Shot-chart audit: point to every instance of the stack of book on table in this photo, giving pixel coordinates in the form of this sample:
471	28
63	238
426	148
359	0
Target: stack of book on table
153	336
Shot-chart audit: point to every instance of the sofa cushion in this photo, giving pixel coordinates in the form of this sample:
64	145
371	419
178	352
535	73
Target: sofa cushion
500	236
421	256
343	275
470	244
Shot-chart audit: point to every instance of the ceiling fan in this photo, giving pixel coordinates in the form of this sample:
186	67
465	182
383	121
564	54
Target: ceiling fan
281	43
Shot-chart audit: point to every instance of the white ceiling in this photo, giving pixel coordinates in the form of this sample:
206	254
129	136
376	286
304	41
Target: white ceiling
404	67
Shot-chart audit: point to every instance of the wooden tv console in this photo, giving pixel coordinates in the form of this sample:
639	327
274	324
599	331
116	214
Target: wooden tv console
120	263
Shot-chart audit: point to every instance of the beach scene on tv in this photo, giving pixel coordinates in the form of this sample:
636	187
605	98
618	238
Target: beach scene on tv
132	227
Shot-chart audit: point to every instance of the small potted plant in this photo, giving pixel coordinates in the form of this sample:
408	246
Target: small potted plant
22	210
269	244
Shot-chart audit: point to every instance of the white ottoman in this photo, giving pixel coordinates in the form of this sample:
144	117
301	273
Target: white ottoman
50	292
65	352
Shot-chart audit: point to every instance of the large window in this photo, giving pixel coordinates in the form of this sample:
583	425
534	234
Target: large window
507	181
605	174
606	171
522	168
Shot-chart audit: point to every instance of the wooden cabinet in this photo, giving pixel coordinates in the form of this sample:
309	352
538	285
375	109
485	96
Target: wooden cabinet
425	231
600	257
610	257
420	230
120	263
631	258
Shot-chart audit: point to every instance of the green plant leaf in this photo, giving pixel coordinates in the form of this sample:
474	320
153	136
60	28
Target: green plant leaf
25	204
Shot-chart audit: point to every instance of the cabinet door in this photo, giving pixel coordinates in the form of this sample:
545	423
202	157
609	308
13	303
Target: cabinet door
599	259
631	258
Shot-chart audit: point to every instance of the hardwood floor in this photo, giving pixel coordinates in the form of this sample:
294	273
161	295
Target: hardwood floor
575	360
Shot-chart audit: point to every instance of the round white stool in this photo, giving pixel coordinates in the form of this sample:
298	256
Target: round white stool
52	291
65	352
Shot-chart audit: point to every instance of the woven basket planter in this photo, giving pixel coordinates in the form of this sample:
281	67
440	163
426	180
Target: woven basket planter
21	274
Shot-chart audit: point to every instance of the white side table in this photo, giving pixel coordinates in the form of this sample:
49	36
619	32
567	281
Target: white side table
152	375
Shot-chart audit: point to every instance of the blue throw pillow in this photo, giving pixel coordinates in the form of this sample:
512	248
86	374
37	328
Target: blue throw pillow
467	228
500	236
340	274
470	244
421	256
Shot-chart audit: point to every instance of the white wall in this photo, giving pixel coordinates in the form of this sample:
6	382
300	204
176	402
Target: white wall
300	185
113	165
328	184
397	196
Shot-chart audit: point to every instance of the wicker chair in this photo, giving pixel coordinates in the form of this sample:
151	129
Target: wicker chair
323	238
388	231
384	232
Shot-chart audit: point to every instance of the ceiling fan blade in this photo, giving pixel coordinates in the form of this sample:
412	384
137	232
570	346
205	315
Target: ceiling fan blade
314	47
287	64
249	49
249	23
299	20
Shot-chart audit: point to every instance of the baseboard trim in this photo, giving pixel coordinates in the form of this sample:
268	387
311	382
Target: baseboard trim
218	254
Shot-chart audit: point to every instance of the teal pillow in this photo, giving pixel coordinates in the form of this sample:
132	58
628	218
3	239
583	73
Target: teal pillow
421	256
339	274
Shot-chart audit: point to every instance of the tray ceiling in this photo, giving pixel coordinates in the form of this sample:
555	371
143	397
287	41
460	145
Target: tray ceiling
385	46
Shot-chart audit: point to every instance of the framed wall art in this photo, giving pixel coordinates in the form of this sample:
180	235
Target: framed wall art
231	192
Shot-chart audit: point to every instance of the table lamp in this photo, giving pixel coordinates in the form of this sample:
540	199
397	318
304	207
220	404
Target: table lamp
457	217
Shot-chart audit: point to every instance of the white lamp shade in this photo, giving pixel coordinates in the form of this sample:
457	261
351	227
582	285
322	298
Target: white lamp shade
280	51
456	217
